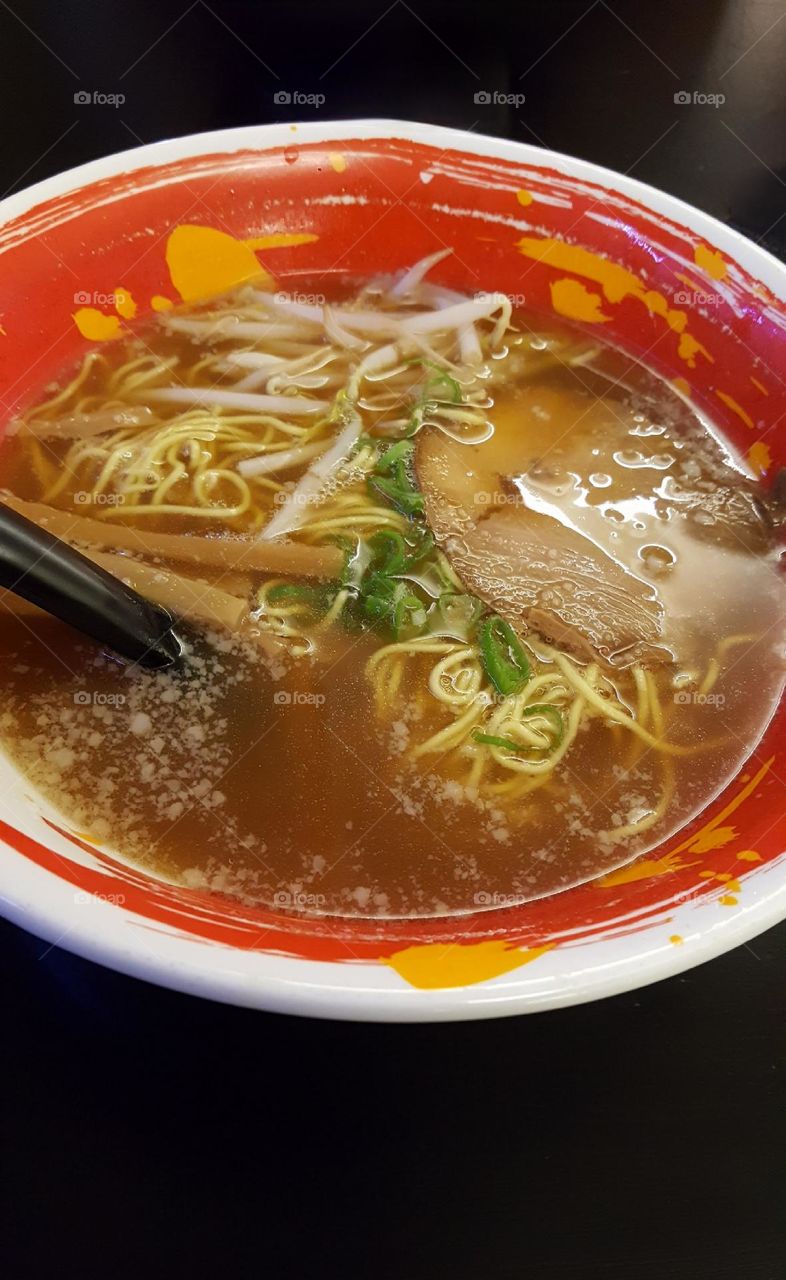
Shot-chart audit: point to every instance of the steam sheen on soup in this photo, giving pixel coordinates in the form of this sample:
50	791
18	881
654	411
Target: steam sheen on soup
474	607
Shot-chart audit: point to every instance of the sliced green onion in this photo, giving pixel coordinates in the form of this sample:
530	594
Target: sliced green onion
439	378
400	452
402	496
419	549
389	551
392	479
503	658
389	602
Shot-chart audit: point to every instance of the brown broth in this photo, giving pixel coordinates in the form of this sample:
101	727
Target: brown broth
274	779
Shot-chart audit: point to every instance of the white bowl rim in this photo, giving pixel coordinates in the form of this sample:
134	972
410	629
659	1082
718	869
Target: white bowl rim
110	935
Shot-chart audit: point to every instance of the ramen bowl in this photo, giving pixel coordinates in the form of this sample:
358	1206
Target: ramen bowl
136	233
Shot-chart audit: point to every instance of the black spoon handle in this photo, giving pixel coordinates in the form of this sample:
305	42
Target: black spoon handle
47	572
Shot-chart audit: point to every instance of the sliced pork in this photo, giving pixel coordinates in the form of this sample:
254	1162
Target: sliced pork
534	570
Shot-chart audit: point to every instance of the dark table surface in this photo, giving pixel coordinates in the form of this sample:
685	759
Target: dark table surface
147	1133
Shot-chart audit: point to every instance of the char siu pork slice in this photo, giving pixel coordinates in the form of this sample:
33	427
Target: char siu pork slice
532	569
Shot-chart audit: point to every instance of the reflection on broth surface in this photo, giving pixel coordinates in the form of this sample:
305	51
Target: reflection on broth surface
475	609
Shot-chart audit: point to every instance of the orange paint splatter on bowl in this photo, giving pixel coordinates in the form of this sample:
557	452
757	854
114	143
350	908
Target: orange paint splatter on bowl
760	458
689	348
713	838
125	305
710	261
735	407
642	870
95	326
617	283
281	240
732	883
203	261
438	965
572	299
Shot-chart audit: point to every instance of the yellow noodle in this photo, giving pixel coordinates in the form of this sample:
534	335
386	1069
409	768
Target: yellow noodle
449	737
62	397
667	767
615	712
334	611
714	666
643	711
444	683
408	646
550	762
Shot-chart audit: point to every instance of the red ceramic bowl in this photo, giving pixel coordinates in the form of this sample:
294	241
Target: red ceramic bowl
133	233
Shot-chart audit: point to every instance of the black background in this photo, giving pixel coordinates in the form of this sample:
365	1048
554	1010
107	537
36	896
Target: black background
642	1138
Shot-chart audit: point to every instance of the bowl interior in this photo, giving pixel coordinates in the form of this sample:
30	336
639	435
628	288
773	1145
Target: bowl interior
82	261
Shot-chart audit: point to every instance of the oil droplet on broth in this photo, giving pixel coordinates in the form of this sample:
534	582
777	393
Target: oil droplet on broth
657	560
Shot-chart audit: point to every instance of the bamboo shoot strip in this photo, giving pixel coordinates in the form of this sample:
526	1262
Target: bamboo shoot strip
251	555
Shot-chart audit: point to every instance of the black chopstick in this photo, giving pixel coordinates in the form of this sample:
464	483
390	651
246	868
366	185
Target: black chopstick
49	573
